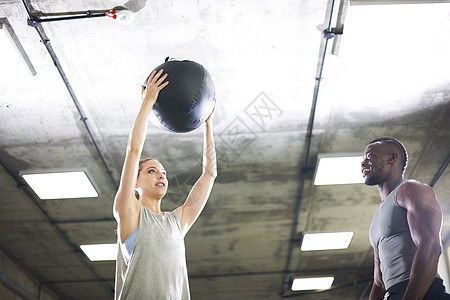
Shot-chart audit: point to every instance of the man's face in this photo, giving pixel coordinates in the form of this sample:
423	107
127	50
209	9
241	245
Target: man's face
374	164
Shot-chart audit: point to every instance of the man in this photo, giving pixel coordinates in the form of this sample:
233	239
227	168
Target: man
406	230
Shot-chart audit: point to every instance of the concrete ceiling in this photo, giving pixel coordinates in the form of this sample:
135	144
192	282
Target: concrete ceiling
264	58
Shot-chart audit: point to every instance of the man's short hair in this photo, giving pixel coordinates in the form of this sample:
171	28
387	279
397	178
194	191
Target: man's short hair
398	145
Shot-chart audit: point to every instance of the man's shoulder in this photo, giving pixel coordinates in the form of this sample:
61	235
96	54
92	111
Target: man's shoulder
414	184
412	191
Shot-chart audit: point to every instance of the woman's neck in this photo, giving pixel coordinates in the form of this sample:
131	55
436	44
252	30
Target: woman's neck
153	204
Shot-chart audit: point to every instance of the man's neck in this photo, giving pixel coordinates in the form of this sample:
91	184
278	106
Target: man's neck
387	187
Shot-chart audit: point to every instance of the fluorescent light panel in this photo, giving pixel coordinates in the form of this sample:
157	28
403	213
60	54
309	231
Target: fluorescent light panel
317	283
16	65
353	78
338	170
61	185
326	241
100	252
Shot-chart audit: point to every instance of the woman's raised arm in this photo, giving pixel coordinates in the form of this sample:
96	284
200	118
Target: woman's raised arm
199	193
126	207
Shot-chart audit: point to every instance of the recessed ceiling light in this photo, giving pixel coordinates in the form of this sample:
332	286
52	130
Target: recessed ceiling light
15	63
60	185
352	79
100	252
338	169
317	283
326	241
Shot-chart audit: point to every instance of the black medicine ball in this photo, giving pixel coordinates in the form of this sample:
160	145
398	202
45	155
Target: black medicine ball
187	101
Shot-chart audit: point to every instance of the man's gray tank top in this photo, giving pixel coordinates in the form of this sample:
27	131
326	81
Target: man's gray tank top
157	267
389	234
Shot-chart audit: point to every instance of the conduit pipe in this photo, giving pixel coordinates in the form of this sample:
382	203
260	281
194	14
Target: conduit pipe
74	98
440	171
34	21
327	34
83	118
15	287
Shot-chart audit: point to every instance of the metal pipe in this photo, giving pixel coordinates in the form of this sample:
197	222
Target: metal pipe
74	98
79	221
15	287
51	19
305	168
230	275
84	119
440	171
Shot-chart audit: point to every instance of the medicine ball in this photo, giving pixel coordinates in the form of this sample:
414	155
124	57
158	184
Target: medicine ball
187	101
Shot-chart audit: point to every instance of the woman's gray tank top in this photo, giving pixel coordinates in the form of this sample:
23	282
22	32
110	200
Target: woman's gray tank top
157	267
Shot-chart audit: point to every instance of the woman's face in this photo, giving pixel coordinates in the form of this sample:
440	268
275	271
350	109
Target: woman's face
152	179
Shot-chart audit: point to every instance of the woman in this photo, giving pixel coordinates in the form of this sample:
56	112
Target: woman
151	262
